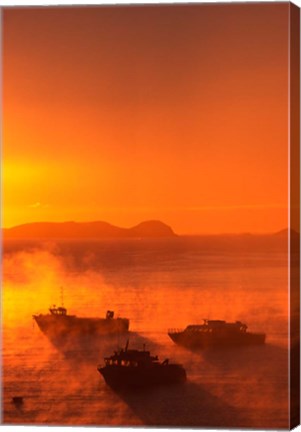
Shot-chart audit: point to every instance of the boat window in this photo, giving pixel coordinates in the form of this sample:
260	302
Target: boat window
58	311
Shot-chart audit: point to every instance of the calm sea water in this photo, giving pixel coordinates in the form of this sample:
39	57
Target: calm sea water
158	284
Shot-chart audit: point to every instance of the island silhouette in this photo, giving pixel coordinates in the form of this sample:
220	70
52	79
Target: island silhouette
95	230
147	229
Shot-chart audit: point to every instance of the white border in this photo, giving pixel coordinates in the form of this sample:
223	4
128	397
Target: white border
13	3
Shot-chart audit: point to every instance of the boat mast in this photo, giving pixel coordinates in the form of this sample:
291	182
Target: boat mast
62	296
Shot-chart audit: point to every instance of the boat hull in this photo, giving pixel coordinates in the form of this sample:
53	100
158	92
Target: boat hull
54	326
120	377
198	340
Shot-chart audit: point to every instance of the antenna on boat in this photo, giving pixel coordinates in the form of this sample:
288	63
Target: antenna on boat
62	296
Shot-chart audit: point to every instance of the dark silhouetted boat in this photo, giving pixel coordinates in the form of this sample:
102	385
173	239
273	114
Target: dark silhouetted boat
127	369
216	334
17	401
58	323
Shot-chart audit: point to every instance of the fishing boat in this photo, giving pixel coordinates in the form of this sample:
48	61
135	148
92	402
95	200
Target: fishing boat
58	323
131	368
216	334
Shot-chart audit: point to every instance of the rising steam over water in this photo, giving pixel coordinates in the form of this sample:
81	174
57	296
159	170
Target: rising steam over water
158	284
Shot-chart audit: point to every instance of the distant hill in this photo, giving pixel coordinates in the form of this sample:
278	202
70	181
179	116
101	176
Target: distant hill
91	230
284	233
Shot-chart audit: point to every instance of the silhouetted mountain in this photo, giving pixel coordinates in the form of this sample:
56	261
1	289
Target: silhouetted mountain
92	230
285	231
152	229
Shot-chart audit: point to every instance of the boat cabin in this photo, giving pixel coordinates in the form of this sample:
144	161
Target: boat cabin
110	314
131	358
218	326
57	310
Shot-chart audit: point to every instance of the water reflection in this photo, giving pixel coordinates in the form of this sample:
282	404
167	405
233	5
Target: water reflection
189	405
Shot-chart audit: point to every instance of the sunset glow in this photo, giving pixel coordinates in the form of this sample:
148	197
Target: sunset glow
132	114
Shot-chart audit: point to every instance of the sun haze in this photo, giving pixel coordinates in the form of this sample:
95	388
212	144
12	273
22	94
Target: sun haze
125	114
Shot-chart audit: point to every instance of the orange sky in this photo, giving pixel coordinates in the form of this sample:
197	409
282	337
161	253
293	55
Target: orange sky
124	114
